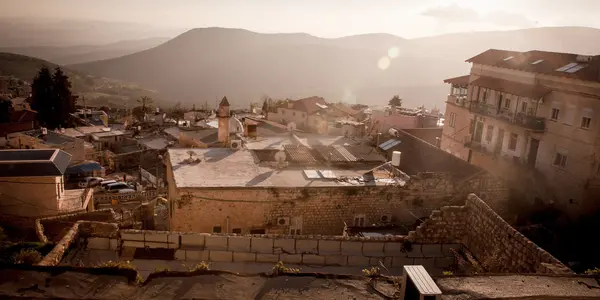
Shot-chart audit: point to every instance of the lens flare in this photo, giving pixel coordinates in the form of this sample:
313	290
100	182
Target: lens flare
393	52
384	63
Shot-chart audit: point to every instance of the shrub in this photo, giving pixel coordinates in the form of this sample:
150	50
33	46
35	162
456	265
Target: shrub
201	267
594	271
27	257
447	273
372	272
279	268
158	270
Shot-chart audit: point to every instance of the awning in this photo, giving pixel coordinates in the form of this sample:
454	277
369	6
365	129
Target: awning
530	91
461	80
86	167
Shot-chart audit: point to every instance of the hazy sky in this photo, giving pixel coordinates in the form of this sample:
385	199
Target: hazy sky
325	18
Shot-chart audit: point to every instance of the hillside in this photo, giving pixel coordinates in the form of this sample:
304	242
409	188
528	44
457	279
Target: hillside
97	90
205	64
86	53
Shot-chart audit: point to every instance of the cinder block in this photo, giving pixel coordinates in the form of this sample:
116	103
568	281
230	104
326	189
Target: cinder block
432	250
131	236
196	255
312	259
444	262
221	256
329	247
392	248
401	261
215	242
284	246
291	258
336	260
244	257
156	236
114	244
414	252
352	248
373	249
307	246
239	243
173	238
133	244
427	263
155	245
268	258
446	249
358	261
192	241
261	245
98	243
180	254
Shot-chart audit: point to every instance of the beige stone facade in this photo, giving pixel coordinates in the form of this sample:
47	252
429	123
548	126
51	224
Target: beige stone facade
536	129
76	147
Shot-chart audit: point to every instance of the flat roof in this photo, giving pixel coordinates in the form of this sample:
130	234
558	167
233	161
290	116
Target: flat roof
33	162
224	167
108	133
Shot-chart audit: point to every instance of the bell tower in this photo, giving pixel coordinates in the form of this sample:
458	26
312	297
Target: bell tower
223	115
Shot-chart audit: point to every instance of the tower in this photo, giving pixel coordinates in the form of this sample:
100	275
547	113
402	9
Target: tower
223	115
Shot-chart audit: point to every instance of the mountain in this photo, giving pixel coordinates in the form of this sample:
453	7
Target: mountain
96	90
205	64
86	53
19	32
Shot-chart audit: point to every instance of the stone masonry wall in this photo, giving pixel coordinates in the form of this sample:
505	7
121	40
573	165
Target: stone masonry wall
320	210
303	250
54	228
488	237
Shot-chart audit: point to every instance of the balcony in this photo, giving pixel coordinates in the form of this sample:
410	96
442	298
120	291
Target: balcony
458	100
526	121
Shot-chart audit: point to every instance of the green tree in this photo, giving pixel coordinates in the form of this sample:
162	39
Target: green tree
6	109
52	98
147	104
395	101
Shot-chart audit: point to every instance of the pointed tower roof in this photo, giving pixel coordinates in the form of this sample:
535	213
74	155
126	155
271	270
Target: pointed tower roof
224	102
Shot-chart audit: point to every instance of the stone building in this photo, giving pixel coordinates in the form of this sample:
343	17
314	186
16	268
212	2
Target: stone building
79	149
530	117
306	190
33	184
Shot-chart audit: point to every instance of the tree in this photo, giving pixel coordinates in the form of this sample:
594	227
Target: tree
147	104
265	107
177	112
41	95
395	101
63	99
6	109
52	98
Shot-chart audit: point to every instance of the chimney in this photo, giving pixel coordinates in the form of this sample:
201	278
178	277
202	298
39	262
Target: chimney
396	158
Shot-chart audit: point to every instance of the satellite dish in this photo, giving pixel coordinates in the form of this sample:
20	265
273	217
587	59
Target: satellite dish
280	157
291	126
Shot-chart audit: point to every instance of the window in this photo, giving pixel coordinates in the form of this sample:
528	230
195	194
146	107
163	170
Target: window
359	220
507	103
523	107
484	99
512	143
489	133
585	122
236	230
499	99
452	120
257	231
217	229
554	115
560	160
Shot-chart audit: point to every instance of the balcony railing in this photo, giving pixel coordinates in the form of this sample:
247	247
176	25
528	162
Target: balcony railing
459	100
524	120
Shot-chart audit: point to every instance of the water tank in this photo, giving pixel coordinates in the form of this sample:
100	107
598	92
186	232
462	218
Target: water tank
396	158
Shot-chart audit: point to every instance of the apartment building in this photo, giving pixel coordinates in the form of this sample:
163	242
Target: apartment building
532	118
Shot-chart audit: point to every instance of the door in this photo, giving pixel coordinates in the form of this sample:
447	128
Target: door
499	141
470	156
296	226
499	107
533	150
478	132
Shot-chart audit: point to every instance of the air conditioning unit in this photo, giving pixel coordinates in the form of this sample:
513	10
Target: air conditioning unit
283	221
385	218
236	144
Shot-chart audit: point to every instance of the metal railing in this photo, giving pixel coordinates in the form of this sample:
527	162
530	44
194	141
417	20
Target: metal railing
524	120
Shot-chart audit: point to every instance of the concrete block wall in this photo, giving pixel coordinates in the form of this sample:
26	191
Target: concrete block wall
302	250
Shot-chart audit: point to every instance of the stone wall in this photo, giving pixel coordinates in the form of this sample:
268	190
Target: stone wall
54	228
318	210
488	237
306	250
106	198
132	159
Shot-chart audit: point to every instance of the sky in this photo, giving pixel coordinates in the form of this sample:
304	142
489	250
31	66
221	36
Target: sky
324	18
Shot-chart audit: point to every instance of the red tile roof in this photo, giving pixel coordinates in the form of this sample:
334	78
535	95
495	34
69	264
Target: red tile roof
545	62
511	87
461	80
309	105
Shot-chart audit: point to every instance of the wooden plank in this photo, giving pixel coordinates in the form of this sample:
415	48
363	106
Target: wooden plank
422	280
